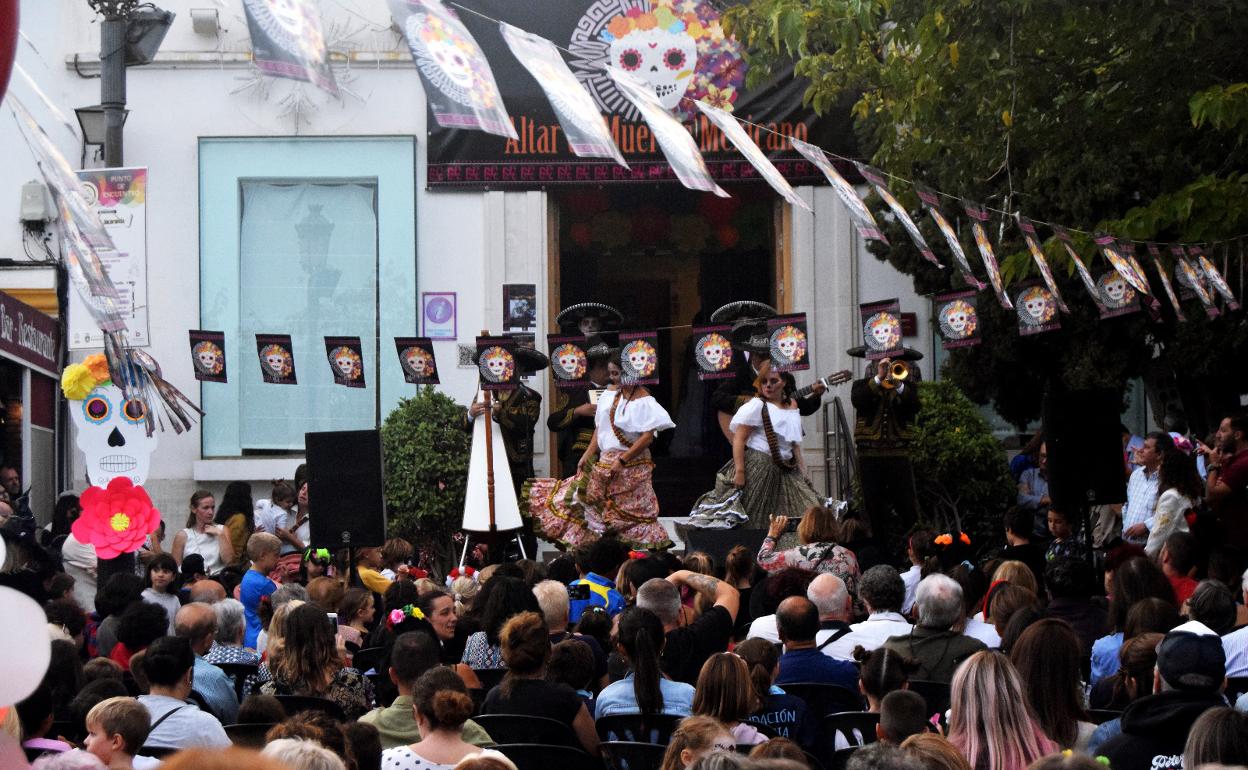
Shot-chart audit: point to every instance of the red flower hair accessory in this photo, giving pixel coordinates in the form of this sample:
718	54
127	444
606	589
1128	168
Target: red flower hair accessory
459	572
637	554
116	519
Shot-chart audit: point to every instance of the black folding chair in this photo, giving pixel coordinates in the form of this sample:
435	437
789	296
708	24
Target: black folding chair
632	755
523	728
823	699
249	736
850	724
935	693
544	756
840	760
293	704
636	728
490	677
239	673
373	658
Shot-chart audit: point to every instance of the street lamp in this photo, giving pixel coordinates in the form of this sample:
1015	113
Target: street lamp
91	121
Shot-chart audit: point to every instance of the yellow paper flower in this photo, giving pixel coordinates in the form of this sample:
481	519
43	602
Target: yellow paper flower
98	365
77	381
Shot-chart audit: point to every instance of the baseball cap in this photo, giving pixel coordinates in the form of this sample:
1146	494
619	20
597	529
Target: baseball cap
1191	657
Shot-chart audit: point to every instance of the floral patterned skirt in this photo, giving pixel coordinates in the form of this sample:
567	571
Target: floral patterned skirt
769	490
595	502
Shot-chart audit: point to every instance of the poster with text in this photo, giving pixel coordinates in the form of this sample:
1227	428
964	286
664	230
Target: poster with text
277	359
417	360
713	352
119	197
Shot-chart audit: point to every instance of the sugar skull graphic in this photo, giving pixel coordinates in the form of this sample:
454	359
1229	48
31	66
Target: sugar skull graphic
277	361
1036	306
882	331
958	320
112	435
208	357
638	360
713	352
788	344
293	25
346	362
450	59
497	364
1114	291
418	362
569	362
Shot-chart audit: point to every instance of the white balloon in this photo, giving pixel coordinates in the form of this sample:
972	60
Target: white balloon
25	648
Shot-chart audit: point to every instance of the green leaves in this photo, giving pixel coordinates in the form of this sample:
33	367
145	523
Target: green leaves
1222	107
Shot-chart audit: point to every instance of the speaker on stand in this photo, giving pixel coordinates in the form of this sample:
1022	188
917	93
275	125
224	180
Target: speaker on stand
1084	443
346	503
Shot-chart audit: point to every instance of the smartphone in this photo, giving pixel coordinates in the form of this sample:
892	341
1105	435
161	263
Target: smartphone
578	592
793	524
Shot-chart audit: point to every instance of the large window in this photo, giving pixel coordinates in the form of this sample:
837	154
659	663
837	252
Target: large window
311	238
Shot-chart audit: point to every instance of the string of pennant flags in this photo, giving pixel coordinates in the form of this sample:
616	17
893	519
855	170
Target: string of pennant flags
463	94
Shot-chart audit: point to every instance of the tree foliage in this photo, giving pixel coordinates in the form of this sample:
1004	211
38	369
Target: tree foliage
960	474
1128	117
426	463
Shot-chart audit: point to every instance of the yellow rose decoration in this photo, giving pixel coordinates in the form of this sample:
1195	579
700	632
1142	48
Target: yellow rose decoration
77	381
98	365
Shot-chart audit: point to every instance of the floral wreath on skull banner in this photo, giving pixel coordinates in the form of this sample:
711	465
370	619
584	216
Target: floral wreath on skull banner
208	346
357	363
713	340
882	321
497	353
626	362
784	334
953	308
426	29
718	73
414	353
280	352
1103	290
1036	293
568	349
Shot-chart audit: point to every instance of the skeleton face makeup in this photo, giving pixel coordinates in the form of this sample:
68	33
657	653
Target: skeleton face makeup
665	60
112	436
590	324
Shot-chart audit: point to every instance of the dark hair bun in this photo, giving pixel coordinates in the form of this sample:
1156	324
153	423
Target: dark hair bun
451	708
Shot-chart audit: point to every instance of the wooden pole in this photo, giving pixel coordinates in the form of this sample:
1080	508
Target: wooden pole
489	450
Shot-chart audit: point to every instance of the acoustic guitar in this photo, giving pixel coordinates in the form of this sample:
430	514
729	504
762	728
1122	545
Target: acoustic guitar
836	378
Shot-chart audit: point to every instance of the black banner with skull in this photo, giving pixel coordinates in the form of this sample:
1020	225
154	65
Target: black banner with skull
679	47
639	358
569	361
881	329
957	317
789	343
416	359
287	41
1036	307
713	352
277	359
346	360
496	363
1115	295
208	355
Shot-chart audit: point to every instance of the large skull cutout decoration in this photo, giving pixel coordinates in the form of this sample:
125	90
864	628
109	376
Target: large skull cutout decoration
666	60
112	436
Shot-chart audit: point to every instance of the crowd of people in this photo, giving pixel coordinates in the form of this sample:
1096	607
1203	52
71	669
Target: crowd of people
816	651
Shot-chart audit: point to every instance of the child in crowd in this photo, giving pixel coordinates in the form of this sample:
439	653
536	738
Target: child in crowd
161	585
276	516
1065	543
368	564
264	550
117	728
395	555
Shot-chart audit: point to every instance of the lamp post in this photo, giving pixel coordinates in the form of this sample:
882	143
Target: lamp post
113	74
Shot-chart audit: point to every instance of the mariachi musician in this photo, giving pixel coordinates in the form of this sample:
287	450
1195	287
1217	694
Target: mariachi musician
516	413
573	414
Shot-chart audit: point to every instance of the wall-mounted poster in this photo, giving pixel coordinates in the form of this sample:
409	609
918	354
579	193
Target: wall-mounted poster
417	360
437	315
519	307
208	355
119	197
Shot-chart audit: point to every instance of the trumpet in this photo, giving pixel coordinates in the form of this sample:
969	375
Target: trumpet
898	371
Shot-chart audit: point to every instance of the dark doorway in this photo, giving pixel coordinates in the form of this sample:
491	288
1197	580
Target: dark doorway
667	257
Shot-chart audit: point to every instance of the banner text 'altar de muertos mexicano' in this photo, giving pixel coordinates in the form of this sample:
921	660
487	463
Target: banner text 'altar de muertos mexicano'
679	48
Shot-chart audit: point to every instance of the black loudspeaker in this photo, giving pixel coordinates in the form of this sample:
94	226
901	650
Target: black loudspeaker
346	507
1083	438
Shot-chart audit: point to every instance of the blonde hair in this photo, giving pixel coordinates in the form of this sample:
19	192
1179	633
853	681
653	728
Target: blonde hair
262	543
463	590
695	734
277	628
991	721
1016	573
122	716
935	752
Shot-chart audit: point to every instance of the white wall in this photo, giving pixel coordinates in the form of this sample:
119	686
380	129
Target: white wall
469	243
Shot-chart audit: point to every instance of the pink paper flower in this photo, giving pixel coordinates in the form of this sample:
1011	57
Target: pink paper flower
396	617
116	519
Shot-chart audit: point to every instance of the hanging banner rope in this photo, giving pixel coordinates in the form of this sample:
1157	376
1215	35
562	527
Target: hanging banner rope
746	146
979	215
858	211
931	201
458	82
587	133
876	178
675	142
1037	254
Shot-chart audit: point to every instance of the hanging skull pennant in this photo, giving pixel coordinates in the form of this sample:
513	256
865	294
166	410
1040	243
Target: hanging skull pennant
496	363
1036	308
747	147
881	328
877	180
277	359
1213	276
713	352
979	215
957	317
1191	282
1117	257
208	356
931	201
1031	237
288	41
639	358
789	343
1115	295
1080	267
569	360
864	222
346	361
1155	253
417	360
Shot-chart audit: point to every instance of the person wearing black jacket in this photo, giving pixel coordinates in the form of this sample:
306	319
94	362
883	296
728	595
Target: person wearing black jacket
1190	675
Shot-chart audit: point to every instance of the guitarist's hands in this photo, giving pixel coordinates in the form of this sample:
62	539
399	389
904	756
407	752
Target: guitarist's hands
819	388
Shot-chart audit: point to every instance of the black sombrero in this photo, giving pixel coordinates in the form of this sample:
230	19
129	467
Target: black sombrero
907	354
529	360
751	334
598	348
743	309
572	315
